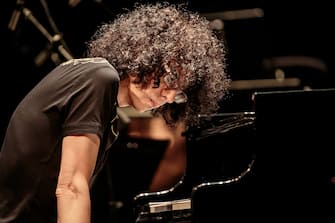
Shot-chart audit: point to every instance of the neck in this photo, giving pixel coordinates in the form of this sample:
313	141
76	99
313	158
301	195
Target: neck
123	97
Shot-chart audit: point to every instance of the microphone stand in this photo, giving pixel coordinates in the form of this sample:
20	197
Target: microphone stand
53	40
16	15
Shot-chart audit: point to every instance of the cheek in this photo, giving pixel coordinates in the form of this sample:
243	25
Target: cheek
140	97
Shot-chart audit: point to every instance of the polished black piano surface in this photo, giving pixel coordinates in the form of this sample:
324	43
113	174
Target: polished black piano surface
273	163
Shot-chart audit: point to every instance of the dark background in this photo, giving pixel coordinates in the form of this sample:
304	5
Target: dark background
288	28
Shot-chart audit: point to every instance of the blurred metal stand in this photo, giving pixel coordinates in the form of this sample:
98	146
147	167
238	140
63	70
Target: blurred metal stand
54	42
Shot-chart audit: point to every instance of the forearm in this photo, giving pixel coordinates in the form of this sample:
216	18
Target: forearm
171	168
79	155
172	165
73	202
166	176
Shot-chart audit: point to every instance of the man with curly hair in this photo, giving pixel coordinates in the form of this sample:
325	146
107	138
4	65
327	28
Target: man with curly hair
158	57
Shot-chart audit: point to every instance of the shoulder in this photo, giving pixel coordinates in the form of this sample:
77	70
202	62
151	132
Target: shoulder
96	67
81	61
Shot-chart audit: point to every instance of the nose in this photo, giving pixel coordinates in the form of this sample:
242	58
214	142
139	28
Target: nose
169	94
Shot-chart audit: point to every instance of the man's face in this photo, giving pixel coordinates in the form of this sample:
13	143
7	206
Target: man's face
148	98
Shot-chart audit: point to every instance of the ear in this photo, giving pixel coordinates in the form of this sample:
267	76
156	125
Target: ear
132	77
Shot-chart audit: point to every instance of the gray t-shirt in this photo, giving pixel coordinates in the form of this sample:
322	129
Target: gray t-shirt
78	96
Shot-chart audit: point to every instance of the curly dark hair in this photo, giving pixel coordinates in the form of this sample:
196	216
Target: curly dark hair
151	36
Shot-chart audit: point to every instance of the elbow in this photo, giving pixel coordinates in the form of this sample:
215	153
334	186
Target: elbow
66	190
72	188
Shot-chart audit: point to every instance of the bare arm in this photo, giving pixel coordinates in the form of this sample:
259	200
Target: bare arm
79	154
172	166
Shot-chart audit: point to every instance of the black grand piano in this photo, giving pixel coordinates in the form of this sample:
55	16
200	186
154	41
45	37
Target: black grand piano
274	163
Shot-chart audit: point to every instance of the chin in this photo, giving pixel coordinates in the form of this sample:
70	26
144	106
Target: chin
144	107
141	109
